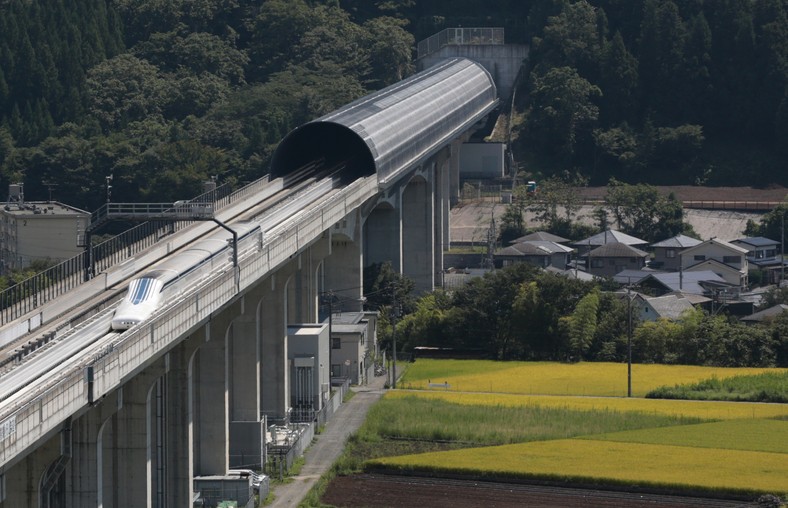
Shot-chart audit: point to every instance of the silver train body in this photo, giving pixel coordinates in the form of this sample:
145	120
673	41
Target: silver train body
147	291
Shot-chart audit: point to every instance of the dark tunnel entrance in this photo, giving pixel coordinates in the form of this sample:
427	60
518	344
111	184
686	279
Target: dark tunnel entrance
332	142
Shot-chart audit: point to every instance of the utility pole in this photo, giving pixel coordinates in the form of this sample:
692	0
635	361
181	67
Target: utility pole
629	338
394	316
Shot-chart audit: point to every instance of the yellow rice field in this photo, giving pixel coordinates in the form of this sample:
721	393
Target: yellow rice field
744	449
697	409
550	378
614	462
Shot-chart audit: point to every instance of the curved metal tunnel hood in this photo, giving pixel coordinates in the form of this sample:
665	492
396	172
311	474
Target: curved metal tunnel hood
395	128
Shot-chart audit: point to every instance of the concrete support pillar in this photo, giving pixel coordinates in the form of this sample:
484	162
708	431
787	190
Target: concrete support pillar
272	312
382	237
23	479
418	244
133	443
454	171
442	237
85	474
179	413
244	390
342	271
209	372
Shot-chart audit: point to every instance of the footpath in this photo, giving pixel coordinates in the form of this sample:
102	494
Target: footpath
329	444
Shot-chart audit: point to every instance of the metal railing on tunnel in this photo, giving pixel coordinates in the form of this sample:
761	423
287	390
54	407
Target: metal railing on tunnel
25	296
460	36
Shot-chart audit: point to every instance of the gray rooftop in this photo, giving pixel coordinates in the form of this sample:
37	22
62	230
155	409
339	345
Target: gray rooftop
669	306
617	250
756	241
610	236
767	314
631	276
533	248
678	241
688	282
540	236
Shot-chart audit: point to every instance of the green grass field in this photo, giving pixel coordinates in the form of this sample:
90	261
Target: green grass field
736	448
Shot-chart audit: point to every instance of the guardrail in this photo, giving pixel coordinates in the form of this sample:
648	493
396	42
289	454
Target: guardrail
460	36
30	294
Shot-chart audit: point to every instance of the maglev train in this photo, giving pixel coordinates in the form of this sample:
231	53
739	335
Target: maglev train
146	292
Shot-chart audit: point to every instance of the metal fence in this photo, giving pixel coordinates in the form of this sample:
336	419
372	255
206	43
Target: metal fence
29	294
460	36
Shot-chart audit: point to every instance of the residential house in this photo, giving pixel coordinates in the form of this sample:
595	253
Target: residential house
667	252
766	314
354	346
605	237
725	259
764	254
612	258
631	277
539	253
540	236
670	306
571	273
758	247
697	283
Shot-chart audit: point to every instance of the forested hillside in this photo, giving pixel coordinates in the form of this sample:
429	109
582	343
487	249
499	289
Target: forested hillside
164	95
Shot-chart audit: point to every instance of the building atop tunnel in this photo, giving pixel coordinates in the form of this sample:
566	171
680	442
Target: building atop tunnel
485	46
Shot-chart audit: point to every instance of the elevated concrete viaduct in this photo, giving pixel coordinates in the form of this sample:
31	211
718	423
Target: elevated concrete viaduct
188	392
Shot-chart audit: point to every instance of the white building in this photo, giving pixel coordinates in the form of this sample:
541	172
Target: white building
31	231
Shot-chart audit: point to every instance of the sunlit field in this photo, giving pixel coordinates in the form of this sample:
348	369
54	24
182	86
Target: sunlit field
573	423
550	378
592	461
753	435
706	410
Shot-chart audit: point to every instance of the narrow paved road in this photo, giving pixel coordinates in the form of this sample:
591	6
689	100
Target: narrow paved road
329	445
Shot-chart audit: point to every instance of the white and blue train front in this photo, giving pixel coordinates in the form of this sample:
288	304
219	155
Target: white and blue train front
146	292
143	298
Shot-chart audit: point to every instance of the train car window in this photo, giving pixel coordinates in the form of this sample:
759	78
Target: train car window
141	290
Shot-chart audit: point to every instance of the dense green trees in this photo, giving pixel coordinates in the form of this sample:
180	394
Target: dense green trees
686	92
644	91
166	94
521	313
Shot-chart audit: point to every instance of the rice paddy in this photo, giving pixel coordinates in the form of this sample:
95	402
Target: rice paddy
570	429
549	378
